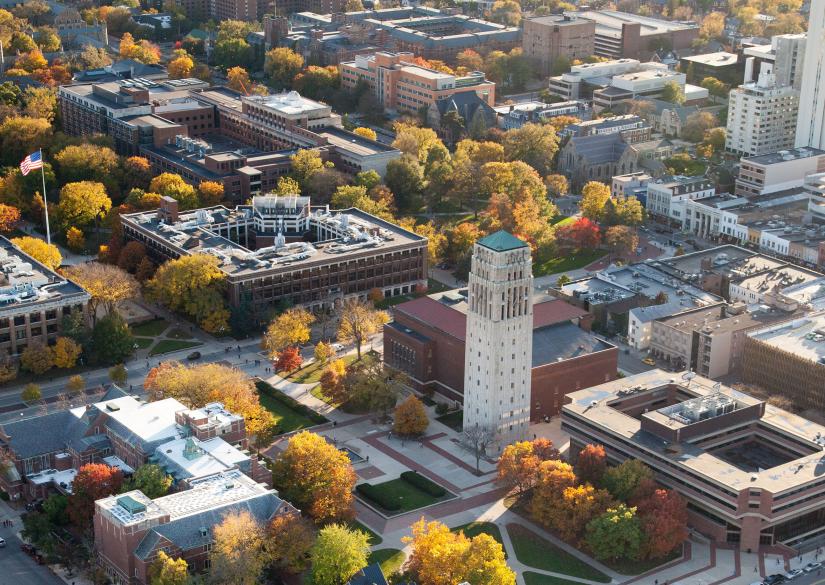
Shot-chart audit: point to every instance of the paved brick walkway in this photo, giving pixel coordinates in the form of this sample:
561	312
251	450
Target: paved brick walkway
375	441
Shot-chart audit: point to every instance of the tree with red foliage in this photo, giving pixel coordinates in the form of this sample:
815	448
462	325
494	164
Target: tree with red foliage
130	256
591	464
582	234
664	522
92	482
289	359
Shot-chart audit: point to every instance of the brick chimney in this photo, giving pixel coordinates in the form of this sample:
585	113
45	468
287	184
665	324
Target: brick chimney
168	210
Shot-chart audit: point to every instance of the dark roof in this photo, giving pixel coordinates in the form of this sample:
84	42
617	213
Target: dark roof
599	148
186	532
563	341
467	104
44	434
369	575
502	241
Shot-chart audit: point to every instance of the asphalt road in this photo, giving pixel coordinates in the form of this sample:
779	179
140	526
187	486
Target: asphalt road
17	568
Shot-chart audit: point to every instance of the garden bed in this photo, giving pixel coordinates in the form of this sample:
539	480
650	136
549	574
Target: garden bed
399	496
539	553
454	419
289	414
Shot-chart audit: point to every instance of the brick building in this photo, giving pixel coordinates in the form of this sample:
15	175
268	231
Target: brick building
399	84
426	339
750	472
48	448
547	38
33	301
279	248
131	529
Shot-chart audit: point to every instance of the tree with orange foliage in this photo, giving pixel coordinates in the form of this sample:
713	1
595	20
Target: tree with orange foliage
288	360
316	477
9	218
568	515
92	482
552	478
544	449
591	464
664	522
410	417
290	539
519	463
332	381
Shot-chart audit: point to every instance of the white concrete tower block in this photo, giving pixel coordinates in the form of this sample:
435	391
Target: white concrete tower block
499	341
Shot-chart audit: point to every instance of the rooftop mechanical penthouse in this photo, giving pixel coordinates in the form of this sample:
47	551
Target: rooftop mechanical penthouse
752	474
281	248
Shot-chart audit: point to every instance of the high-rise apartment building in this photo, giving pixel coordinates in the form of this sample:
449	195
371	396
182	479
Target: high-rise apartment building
761	116
547	38
810	129
498	358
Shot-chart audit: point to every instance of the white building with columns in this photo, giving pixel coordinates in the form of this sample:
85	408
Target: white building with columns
498	358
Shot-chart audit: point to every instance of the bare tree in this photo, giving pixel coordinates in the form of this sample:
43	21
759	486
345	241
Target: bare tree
477	439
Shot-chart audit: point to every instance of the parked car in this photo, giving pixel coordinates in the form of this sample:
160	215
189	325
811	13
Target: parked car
2	543
195	355
337	347
810	567
649	361
774	579
793	574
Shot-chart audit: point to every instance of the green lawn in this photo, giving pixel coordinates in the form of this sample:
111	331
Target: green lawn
433	286
374	540
560	220
565	263
312	373
475	528
534	551
167	345
631	567
531	578
288	420
390	560
392	301
151	328
454	419
409	496
178	334
143	342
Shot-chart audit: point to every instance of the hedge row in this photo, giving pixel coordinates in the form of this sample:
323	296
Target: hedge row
266	388
424	484
378	496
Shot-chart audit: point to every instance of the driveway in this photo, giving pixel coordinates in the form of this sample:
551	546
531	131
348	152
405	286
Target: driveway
19	568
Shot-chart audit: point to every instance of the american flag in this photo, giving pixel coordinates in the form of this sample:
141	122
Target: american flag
31	162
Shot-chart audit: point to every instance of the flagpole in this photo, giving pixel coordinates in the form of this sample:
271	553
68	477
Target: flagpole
45	203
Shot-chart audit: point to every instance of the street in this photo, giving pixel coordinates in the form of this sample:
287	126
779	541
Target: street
20	569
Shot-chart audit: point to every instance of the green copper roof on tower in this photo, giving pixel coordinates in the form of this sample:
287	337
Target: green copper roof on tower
502	241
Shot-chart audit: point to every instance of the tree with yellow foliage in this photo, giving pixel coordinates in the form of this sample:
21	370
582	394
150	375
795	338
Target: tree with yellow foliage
82	203
46	254
166	570
323	352
107	284
75	385
290	538
201	384
338	554
65	352
415	141
75	239
368	133
552	478
36	358
410	418
210	192
180	67
358	321
194	286
292	327
316	477
239	552
238	79
442	557
594	197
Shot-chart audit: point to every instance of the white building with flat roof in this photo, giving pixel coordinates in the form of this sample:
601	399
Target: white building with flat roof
810	130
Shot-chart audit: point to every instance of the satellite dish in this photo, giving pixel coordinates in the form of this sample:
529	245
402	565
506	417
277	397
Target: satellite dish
688	376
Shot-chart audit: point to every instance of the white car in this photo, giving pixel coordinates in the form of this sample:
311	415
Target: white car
793	574
811	567
337	347
2	543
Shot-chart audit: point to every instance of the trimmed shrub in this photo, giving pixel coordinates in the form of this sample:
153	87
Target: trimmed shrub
424	484
265	388
378	496
441	408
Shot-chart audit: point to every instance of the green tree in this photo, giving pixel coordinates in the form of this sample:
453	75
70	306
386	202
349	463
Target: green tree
20	136
623	480
673	93
112	341
616	534
232	52
30	393
118	374
405	179
305	164
152	480
166	570
338	553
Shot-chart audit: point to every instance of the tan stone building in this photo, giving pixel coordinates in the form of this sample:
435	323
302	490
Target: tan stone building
547	38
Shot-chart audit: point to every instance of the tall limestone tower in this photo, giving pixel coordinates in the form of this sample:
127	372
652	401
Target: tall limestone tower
499	340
